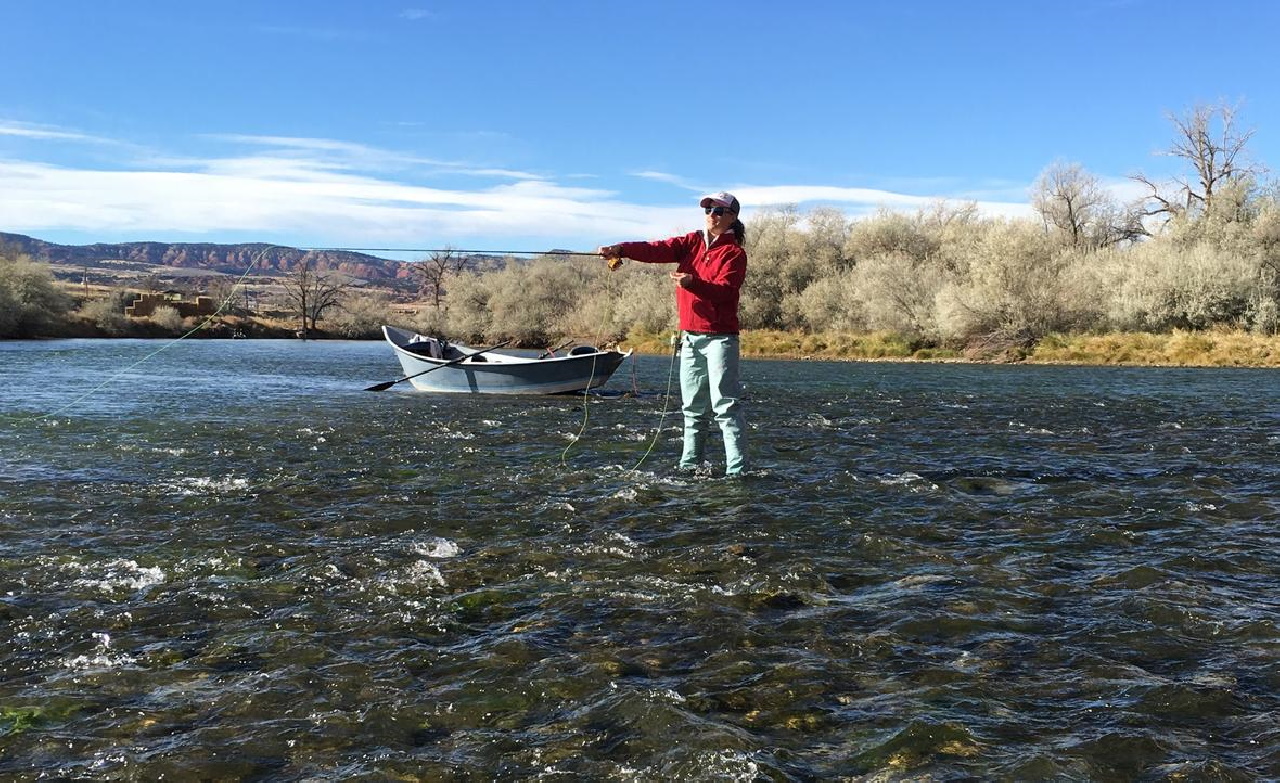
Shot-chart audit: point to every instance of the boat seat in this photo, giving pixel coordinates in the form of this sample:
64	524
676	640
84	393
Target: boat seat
430	347
583	350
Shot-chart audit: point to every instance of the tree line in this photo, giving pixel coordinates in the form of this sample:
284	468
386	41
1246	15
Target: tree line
1197	252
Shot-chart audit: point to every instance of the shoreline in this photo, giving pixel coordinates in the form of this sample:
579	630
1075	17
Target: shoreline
1188	349
1207	349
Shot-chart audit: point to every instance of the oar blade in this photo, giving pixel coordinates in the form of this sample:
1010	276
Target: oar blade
382	386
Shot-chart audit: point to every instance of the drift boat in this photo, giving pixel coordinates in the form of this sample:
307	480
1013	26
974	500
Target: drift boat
432	364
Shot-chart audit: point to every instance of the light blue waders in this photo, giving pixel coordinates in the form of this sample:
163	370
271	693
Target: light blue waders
709	388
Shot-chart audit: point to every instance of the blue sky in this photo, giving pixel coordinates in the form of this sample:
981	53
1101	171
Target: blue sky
529	125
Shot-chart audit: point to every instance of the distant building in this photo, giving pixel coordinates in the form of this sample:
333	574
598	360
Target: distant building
145	305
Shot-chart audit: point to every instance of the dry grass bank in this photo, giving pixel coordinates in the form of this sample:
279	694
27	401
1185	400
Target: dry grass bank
1214	348
796	345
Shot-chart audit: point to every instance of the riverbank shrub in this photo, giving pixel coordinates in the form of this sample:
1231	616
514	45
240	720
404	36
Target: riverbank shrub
31	302
361	316
107	313
168	319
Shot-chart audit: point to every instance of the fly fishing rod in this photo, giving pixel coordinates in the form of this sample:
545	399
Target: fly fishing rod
460	250
614	263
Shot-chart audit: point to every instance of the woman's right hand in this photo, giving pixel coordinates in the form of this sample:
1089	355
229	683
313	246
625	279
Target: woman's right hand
612	254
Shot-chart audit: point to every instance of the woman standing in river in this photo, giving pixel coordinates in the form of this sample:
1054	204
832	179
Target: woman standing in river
711	265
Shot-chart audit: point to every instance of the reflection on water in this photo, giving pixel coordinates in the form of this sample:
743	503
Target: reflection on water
231	562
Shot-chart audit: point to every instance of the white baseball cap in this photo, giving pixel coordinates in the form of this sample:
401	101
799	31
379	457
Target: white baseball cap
721	199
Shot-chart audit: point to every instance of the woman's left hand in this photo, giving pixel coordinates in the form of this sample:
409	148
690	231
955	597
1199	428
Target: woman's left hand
683	279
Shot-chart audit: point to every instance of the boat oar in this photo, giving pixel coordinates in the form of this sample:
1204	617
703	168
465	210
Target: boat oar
552	351
388	384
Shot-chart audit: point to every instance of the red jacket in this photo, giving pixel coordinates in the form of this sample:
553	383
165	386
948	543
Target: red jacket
710	304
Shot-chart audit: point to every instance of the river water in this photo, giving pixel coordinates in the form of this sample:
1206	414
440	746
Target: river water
226	560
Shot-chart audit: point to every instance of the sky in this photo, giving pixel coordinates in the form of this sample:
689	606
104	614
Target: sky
539	124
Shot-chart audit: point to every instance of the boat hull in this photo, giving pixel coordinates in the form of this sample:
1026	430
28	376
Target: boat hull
498	373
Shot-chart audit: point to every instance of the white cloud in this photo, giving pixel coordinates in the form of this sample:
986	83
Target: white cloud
857	202
853	201
322	192
778	195
1128	190
311	207
30	131
331	154
300	143
669	179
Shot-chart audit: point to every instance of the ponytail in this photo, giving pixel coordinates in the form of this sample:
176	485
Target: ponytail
739	232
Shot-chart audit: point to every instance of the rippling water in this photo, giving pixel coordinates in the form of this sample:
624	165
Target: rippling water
231	562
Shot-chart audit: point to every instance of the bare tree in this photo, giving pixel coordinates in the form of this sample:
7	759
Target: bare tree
228	296
310	294
1069	199
1210	142
1074	203
434	270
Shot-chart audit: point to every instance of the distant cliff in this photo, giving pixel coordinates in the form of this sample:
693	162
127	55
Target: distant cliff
228	259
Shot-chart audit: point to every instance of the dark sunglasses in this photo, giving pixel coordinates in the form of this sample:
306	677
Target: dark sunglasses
717	211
